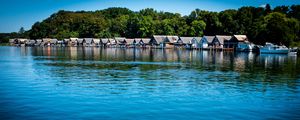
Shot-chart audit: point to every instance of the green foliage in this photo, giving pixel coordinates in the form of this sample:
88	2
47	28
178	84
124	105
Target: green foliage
229	21
197	27
261	25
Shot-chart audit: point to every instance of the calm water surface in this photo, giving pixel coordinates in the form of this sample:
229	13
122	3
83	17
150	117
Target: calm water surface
95	83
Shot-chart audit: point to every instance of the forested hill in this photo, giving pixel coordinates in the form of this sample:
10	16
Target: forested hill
277	25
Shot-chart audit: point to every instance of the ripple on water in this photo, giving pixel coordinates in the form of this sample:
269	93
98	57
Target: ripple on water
89	83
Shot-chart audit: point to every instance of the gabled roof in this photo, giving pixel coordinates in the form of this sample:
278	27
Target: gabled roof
130	41
73	39
88	40
32	41
21	39
137	39
172	39
222	38
38	40
159	38
80	40
209	38
120	39
241	38
112	41
105	40
186	39
198	39
96	40
146	40
53	41
46	39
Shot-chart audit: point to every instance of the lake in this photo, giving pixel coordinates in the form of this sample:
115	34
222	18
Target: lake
116	83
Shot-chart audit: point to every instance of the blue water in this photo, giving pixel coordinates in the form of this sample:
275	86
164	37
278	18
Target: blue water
95	83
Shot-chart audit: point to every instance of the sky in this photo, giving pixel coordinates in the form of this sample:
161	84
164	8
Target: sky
15	14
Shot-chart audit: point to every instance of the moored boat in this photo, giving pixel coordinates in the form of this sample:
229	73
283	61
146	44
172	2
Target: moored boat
270	48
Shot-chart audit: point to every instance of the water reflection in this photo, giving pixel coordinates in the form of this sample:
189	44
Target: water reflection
117	61
166	82
220	60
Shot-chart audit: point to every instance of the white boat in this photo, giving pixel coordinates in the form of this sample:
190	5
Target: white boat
270	48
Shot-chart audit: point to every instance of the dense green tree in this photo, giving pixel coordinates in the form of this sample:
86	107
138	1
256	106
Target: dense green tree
229	22
295	11
145	25
197	28
282	9
213	25
132	27
260	24
281	30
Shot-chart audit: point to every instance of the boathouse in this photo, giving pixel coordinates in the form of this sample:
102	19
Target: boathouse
72	42
96	41
80	42
171	41
46	42
206	41
53	42
105	42
120	41
88	42
235	40
60	43
21	41
218	41
113	42
138	40
143	42
158	41
185	42
30	43
38	42
130	43
189	42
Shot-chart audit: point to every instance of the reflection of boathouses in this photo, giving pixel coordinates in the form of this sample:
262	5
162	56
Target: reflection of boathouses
157	41
215	60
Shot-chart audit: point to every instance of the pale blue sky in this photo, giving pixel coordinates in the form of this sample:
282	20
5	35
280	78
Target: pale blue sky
23	13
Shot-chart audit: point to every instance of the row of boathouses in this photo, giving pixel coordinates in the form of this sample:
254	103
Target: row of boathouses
156	41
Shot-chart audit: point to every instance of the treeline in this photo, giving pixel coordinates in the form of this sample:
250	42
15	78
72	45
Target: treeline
279	25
